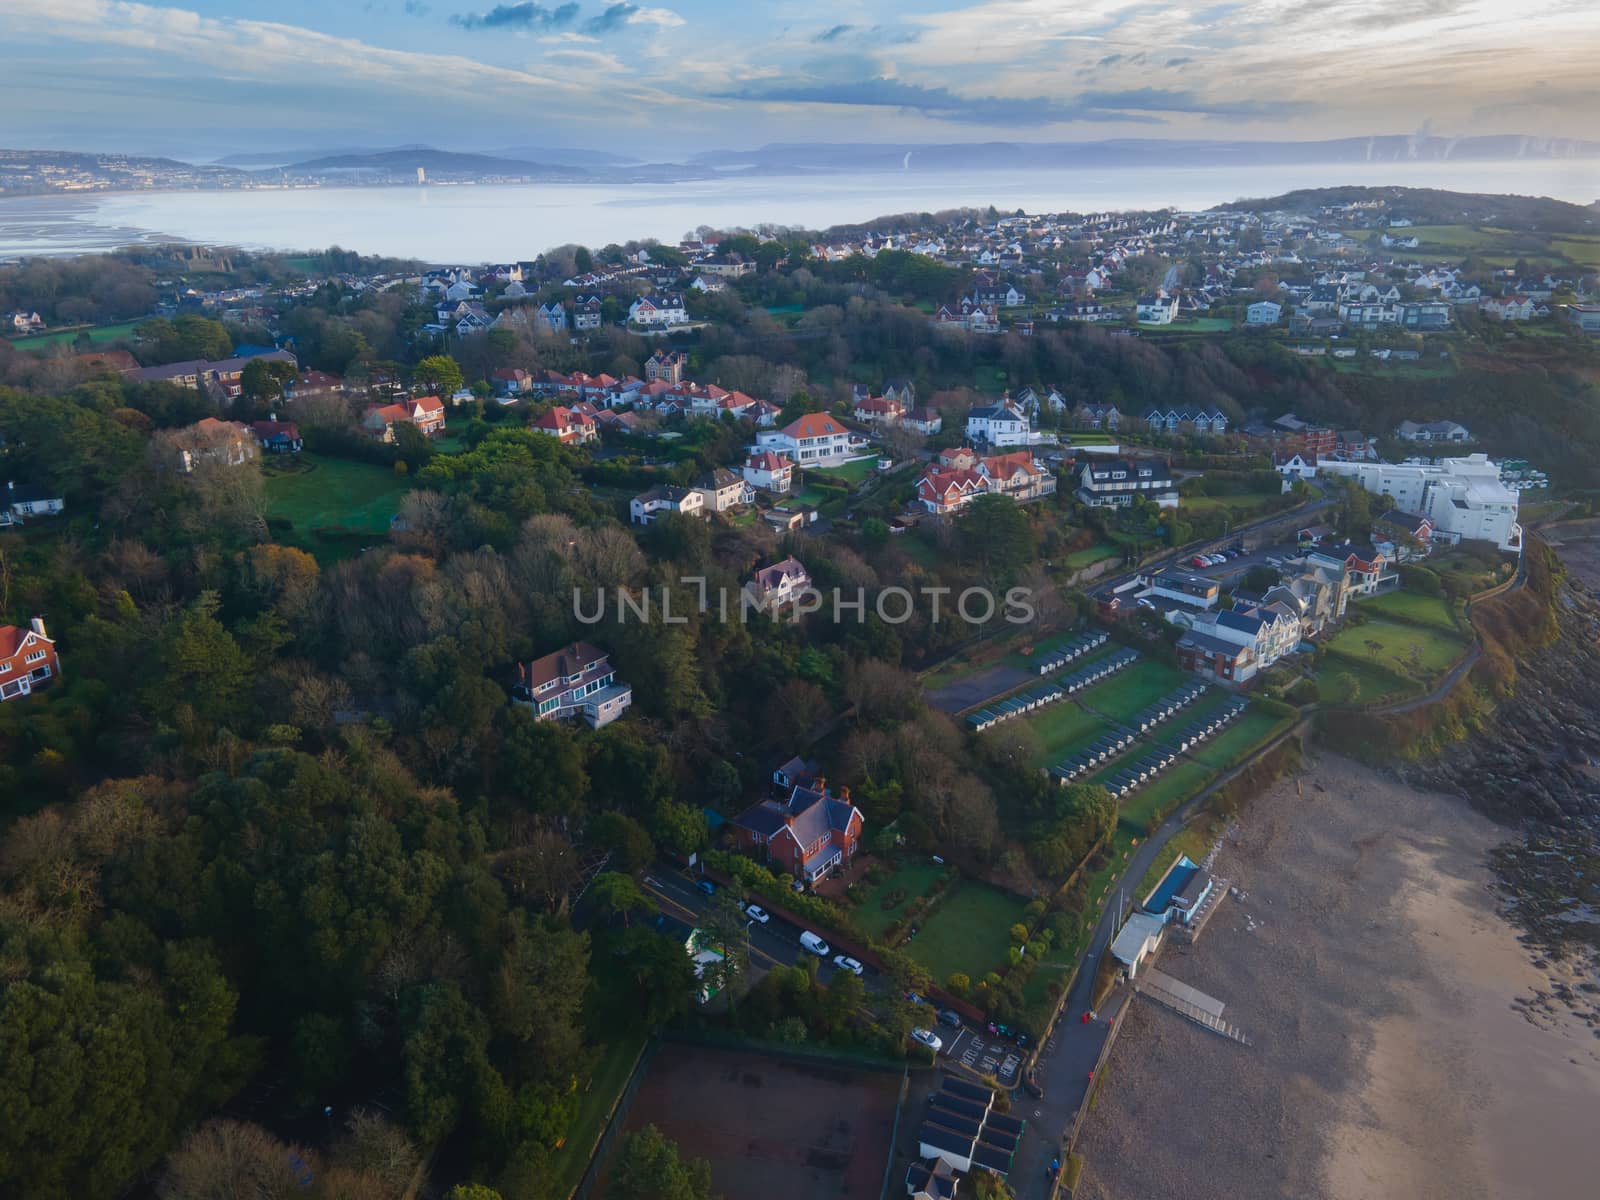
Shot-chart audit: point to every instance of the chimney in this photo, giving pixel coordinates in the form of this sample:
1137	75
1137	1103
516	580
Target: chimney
38	626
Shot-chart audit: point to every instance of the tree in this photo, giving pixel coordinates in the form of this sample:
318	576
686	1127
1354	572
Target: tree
471	1191
440	374
619	895
629	842
224	1159
582	260
996	535
646	1166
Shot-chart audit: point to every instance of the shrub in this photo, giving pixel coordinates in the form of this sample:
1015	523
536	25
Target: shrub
1019	934
958	984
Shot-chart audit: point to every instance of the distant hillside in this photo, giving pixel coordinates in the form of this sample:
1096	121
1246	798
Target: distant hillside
1146	152
273	158
1430	206
435	162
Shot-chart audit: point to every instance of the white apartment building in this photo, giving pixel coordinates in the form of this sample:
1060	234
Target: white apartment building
1463	497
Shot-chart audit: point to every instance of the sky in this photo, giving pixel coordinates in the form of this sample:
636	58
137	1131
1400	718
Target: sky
202	78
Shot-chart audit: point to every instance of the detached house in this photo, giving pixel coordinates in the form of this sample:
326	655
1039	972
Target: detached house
808	835
876	409
770	471
27	660
658	311
575	681
1159	309
781	583
816	439
21	501
277	437
425	412
1002	424
569	426
1114	482
722	489
665	498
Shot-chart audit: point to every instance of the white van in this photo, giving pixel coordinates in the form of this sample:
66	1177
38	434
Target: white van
813	943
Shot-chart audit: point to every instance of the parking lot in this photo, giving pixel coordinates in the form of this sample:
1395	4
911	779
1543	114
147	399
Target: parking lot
986	1054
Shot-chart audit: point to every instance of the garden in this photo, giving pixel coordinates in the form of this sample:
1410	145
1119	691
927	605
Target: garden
1416	651
318	502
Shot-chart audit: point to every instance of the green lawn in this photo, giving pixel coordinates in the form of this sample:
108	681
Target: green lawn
1162	794
1062	728
1087	439
1413	606
1357	682
1436	650
967	932
1240	507
913	878
333	495
1226	748
1098	552
610	1076
852	473
97	335
1132	688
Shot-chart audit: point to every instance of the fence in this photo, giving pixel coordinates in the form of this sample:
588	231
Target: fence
613	1122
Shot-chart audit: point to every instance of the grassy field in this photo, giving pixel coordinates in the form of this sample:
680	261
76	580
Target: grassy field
1241	507
1061	728
967	932
1356	682
913	878
1226	748
333	495
1436	650
1162	794
1098	552
1412	606
989	379
852	473
1087	439
98	335
1132	688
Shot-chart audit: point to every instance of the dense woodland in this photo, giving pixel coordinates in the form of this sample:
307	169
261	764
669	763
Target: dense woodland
278	839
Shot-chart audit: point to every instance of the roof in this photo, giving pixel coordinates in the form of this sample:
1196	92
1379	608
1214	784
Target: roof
569	660
768	578
814	425
1209	644
767	460
13	637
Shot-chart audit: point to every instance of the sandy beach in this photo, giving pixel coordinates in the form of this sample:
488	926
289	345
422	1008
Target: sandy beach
1406	1044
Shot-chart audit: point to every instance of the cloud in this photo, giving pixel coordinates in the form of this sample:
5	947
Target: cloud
1109	59
833	35
415	8
937	102
611	19
1162	100
1179	62
518	16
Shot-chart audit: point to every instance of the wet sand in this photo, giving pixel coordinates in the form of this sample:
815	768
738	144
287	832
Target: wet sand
1405	1044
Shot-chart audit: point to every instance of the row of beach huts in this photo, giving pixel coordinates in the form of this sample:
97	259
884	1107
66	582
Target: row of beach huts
1035	698
1075	649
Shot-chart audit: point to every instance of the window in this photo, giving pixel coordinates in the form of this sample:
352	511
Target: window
37	655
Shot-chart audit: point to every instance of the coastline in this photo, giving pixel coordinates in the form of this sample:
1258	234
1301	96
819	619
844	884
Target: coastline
1406	1043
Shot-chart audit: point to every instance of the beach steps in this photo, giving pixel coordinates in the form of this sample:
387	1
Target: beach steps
1152	990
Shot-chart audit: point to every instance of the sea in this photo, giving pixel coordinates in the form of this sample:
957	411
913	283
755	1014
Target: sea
468	223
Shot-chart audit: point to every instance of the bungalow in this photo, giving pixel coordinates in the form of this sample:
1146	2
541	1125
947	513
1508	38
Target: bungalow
1002	424
277	437
808	835
770	471
25	500
424	412
658	311
722	489
27	659
575	681
665	498
569	426
781	583
1432	431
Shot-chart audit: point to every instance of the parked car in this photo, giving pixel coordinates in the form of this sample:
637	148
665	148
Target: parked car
757	914
928	1038
1032	1085
706	886
813	943
845	963
950	1017
913	998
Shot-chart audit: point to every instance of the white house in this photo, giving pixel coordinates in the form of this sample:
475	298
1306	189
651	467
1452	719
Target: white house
1114	482
781	583
816	439
647	506
1263	312
1296	466
1159	309
658	311
770	471
1002	424
722	489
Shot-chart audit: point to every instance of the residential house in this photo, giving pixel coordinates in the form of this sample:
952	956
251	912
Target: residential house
277	437
960	476
665	498
220	378
1508	308
510	384
1185	420
27	660
666	365
1351	445
1263	312
1427	314
901	391
1002	424
808	835
24	500
1114	482
1157	309
1365	567
781	583
879	410
1096	416
208	442
1432	431
588	313
22	322
426	413
1402	536
998	295
658	311
722	489
551	318
1215	657
312	385
769	471
815	439
1315	592
1585	316
1293	466
925	421
575	681
569	426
